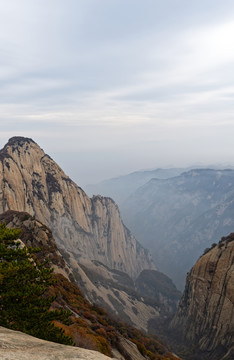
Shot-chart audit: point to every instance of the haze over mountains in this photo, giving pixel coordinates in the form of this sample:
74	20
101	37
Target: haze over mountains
94	250
107	88
177	217
121	187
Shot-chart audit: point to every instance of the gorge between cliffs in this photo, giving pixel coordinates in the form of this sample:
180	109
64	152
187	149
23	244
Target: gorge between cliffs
97	260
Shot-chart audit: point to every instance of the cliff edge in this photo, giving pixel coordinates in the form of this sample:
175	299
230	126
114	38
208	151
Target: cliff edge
90	229
205	316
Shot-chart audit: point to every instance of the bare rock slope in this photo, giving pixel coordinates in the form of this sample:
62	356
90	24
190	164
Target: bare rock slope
89	228
205	316
16	345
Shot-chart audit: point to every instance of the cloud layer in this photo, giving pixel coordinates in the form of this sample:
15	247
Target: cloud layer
119	85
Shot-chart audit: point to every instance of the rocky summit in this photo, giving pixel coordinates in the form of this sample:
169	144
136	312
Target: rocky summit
100	254
205	317
88	228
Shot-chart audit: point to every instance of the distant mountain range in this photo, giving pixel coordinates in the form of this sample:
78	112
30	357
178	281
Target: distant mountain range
121	187
177	217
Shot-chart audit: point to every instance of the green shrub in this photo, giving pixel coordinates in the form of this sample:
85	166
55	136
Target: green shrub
24	281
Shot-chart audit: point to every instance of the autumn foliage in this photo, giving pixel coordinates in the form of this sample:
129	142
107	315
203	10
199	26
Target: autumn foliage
66	314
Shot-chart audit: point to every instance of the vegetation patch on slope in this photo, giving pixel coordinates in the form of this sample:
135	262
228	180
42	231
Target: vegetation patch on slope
88	325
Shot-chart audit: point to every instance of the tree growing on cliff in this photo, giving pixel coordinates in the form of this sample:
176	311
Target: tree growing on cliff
24	282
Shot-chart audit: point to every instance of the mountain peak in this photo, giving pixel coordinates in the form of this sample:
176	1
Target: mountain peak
23	146
19	140
34	183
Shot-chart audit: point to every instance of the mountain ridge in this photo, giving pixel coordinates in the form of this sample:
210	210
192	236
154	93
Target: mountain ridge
89	232
180	217
31	180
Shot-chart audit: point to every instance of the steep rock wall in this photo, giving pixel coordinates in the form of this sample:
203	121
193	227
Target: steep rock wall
205	316
88	228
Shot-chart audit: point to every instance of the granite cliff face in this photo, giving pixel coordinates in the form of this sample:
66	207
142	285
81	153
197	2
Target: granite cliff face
88	228
205	317
99	253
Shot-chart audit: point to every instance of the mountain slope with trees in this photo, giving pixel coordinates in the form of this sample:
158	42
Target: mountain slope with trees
89	326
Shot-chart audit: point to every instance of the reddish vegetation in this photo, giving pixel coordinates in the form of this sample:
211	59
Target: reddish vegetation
91	327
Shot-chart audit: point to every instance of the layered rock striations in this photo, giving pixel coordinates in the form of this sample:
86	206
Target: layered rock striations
88	228
205	317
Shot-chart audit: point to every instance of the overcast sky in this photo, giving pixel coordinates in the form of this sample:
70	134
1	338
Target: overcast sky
107	87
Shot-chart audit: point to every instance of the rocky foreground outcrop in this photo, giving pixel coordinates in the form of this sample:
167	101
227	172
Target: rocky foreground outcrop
91	229
15	345
205	317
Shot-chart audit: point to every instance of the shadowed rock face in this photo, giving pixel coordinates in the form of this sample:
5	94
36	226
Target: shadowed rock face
205	316
156	285
18	346
89	228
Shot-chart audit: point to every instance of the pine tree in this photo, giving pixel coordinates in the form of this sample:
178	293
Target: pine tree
24	282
